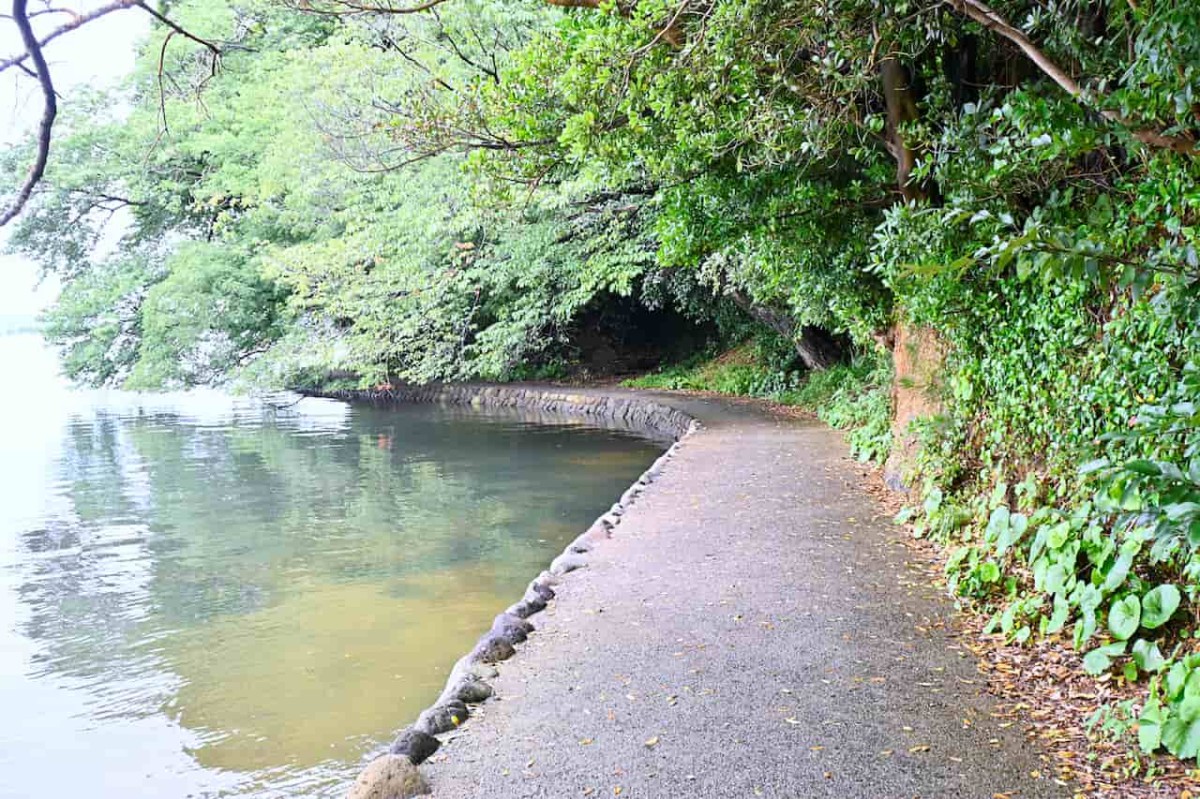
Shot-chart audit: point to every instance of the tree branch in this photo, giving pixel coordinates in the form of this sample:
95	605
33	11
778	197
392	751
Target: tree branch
983	14
216	51
353	7
33	49
34	52
77	21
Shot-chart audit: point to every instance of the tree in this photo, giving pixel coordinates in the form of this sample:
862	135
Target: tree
33	63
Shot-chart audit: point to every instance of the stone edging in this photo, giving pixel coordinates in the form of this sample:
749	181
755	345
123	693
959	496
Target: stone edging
393	775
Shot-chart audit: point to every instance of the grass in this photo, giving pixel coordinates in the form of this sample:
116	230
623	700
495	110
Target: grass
855	397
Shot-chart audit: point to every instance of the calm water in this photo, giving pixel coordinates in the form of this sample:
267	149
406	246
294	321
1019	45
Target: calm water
209	597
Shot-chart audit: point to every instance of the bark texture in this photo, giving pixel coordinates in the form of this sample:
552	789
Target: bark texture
818	349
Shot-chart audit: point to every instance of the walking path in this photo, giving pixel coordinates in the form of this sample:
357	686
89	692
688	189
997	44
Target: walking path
751	629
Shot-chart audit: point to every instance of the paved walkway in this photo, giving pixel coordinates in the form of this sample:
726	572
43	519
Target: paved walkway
749	630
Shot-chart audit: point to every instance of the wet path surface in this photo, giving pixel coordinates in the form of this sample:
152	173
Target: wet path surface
751	629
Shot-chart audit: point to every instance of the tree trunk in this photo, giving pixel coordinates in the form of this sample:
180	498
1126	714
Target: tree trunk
818	349
901	103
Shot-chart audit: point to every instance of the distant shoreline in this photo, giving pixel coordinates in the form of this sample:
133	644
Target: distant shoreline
20	326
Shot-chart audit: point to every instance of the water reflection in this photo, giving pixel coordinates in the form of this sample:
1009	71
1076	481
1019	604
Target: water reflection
208	597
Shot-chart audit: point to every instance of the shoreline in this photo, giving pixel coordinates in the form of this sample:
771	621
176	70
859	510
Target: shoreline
394	774
757	507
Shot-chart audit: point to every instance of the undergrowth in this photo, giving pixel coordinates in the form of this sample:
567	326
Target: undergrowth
854	397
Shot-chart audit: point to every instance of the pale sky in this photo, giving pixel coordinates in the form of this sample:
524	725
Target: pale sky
96	54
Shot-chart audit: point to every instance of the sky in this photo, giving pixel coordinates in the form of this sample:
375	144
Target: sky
98	53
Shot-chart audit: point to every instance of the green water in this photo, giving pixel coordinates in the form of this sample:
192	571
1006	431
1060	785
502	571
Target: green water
205	597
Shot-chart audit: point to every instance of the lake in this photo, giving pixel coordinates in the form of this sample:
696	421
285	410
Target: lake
210	596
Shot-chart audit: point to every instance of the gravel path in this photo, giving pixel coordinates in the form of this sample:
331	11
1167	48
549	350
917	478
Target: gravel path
751	629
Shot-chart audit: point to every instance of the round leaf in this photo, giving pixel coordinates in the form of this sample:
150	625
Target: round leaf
989	572
1099	659
1181	732
1096	662
1147	655
1158	606
1124	616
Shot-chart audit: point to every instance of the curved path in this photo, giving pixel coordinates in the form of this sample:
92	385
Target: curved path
749	630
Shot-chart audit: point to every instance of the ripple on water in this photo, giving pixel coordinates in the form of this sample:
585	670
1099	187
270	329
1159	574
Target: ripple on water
205	597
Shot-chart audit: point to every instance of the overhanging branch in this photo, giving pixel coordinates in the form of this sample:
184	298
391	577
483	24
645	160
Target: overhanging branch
983	14
33	49
34	55
77	21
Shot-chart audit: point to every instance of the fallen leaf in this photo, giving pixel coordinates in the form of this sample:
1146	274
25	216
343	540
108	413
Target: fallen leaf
652	742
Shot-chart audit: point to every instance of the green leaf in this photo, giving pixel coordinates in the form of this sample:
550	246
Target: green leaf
1124	616
1085	628
1099	659
1147	656
1181	732
1120	569
997	524
933	501
1059	617
1008	618
1056	578
989	572
1090	598
1176	679
1058	535
1178	511
1150	726
1018	523
1158	605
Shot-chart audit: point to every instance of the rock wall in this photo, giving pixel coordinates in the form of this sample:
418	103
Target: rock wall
647	416
918	355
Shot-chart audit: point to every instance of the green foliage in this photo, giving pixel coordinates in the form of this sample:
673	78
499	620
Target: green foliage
1159	604
742	371
855	397
266	233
